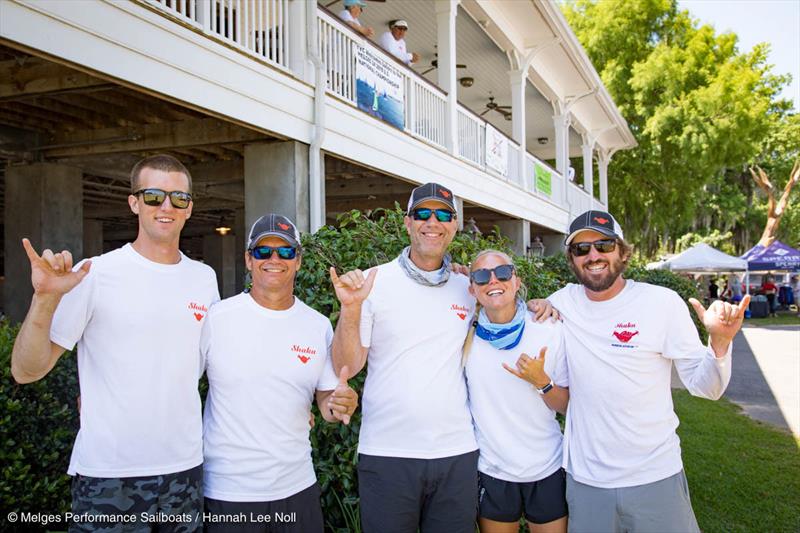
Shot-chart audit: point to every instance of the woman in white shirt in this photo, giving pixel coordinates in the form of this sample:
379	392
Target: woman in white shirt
514	395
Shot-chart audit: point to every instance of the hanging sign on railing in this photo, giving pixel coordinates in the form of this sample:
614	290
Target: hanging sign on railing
544	180
496	151
380	88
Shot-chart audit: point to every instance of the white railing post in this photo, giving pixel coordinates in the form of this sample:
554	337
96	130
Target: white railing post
203	14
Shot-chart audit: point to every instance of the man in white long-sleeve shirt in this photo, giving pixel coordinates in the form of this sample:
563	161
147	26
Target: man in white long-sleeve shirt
621	452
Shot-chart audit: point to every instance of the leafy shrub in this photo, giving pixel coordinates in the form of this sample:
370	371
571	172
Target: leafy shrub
38	424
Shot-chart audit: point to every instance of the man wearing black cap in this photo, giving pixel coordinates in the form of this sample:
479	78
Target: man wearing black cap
417	451
266	355
621	452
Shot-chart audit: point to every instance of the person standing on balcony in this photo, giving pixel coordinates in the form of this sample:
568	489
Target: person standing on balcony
394	42
136	314
267	354
621	452
352	10
417	467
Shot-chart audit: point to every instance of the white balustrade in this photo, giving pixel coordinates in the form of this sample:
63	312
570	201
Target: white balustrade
259	28
428	107
471	137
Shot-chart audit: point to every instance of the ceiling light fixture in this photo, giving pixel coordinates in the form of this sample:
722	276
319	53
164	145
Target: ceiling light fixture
466	81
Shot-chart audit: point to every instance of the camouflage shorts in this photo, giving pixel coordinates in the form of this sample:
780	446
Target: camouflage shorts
172	503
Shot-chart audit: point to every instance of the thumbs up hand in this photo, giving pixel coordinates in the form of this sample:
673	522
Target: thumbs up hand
343	401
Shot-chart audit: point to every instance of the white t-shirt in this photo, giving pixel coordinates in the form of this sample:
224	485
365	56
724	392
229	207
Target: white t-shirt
345	15
518	435
415	397
137	325
395	47
263	369
620	429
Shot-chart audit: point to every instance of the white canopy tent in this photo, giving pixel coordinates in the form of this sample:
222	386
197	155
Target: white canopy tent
701	258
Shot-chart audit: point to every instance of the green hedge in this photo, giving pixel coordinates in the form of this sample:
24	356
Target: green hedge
38	422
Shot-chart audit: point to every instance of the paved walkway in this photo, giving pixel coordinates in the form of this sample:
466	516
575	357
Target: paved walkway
766	375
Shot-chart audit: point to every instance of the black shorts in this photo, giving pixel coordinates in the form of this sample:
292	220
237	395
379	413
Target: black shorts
539	501
403	495
299	513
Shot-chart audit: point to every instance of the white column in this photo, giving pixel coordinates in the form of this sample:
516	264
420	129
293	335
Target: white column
446	11
561	122
518	80
588	173
460	212
603	158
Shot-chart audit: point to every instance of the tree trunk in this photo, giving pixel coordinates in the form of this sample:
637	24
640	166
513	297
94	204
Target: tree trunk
775	209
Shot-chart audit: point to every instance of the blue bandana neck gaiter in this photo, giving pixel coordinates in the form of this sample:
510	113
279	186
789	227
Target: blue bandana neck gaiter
502	336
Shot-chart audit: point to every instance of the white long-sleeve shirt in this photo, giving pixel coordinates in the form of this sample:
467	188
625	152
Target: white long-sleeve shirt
620	429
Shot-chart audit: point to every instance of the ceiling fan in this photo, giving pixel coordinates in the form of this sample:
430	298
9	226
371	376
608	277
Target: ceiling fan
502	109
435	64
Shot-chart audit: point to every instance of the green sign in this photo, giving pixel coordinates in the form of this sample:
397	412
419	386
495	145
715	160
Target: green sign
543	180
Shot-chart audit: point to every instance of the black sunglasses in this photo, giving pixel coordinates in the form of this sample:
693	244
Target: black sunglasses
155	197
484	275
604	246
442	215
265	252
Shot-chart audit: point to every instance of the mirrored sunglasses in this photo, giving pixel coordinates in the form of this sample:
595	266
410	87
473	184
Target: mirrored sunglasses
265	252
442	215
155	197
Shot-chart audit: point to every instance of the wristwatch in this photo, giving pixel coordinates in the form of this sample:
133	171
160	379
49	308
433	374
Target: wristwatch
544	390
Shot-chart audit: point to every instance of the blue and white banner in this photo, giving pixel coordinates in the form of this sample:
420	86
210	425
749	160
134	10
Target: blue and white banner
380	90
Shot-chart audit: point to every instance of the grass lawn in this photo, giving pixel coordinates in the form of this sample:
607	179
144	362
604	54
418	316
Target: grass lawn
743	475
784	318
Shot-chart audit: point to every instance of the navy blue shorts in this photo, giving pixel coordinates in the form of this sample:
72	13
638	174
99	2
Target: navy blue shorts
539	502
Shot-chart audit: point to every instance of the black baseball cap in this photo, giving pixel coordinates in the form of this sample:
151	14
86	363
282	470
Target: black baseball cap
598	221
431	191
273	225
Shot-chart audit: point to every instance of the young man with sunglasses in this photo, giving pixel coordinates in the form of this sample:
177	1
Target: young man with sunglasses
417	451
621	452
267	354
136	315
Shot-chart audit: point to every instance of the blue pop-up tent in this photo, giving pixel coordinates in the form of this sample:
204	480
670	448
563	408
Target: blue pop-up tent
776	256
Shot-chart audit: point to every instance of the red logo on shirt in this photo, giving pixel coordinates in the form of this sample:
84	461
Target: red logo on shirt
461	311
303	353
198	310
626	334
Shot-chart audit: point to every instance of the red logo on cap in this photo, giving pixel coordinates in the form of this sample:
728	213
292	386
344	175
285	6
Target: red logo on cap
445	194
284	227
601	220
